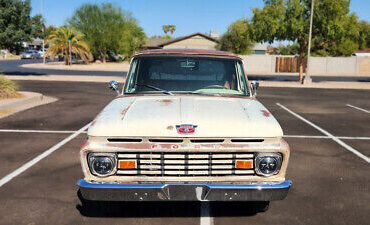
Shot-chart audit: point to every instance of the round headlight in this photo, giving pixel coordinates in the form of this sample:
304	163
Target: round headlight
268	164
102	164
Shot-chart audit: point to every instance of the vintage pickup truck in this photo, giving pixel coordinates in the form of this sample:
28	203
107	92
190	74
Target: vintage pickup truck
185	127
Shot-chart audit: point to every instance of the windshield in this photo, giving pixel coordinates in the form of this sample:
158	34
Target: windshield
179	74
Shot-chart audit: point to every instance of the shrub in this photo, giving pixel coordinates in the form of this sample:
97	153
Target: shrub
8	89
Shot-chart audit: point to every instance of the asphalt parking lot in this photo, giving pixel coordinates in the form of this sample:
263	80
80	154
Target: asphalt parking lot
330	143
14	67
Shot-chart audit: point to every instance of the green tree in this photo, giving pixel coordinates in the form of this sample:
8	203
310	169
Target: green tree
15	24
106	28
49	30
133	39
334	32
59	44
38	27
290	49
364	38
164	37
238	38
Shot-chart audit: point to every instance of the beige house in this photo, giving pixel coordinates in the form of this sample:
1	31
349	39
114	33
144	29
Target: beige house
194	41
197	41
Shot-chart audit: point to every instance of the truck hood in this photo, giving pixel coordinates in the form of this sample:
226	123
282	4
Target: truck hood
157	116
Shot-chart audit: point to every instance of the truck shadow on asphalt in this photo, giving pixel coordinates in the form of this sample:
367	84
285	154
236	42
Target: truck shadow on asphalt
164	209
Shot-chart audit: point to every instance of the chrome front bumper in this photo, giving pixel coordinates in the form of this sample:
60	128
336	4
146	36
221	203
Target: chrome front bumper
183	192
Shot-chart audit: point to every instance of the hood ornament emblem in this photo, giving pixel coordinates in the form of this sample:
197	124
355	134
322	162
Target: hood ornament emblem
186	128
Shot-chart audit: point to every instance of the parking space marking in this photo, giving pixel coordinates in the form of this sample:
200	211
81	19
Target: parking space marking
326	137
355	138
336	139
35	160
39	131
358	108
205	214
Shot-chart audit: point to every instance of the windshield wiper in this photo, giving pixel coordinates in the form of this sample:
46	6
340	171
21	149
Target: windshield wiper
155	88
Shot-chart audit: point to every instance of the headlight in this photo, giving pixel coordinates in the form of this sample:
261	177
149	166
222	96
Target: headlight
102	164
268	164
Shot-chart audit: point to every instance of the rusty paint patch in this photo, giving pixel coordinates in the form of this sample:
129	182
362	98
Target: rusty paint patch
187	52
168	146
124	111
130	145
84	145
165	102
93	122
129	96
191	148
265	113
234	145
170	128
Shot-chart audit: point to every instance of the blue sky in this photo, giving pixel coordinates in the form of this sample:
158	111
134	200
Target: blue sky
189	16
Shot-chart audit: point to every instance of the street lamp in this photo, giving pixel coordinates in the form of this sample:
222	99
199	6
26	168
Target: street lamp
307	79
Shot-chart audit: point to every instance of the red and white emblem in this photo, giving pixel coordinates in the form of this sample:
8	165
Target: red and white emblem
186	128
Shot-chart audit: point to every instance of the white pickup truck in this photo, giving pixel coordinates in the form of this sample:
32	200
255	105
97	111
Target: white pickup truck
185	127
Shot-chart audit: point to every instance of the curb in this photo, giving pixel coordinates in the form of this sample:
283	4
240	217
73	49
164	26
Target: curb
116	67
69	78
320	85
30	100
259	74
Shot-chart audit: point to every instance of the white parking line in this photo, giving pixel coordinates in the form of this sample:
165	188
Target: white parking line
336	139
307	136
205	214
38	158
355	138
326	137
358	108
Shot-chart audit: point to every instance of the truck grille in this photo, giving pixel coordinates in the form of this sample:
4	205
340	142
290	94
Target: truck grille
180	164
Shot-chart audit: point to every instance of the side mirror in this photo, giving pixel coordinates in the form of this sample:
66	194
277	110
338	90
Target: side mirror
254	87
114	86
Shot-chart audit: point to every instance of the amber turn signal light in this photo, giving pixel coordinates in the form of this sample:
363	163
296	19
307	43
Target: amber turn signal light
244	164
127	164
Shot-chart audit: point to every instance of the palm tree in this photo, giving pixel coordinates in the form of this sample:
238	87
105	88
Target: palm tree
165	28
172	28
59	44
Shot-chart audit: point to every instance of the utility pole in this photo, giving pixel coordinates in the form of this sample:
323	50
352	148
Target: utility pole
70	53
307	79
43	30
